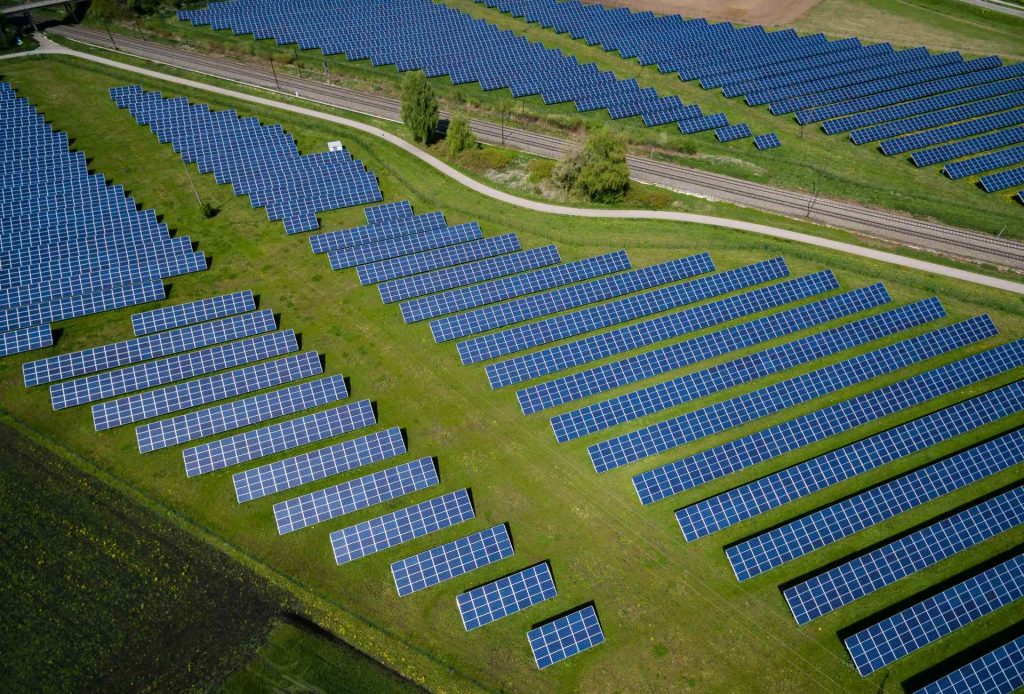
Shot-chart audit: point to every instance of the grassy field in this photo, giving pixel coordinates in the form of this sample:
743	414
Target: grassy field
674	616
809	161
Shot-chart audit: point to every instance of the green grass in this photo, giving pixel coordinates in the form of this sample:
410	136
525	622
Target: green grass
674	616
809	161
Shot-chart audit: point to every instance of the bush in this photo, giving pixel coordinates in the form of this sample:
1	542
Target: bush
460	137
541	169
487	159
419	107
598	171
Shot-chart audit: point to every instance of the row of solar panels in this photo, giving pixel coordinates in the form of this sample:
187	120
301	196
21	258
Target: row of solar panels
494	301
875	91
421	35
259	161
70	245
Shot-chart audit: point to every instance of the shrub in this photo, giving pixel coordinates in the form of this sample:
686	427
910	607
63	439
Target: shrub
419	107
460	138
598	170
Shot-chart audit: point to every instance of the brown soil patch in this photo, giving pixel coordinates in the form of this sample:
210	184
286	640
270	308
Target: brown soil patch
770	12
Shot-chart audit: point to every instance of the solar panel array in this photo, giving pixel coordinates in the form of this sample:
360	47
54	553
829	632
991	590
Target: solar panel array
1000	671
437	258
275	438
193	312
733	132
319	464
700	384
1003	180
885	642
348	497
259	161
565	637
421	35
911	553
403	525
717	462
833	378
963	148
375	233
782	544
767	141
71	244
506	596
351	256
452	559
240	413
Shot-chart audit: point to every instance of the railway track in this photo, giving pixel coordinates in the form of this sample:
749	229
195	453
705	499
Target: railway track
891	227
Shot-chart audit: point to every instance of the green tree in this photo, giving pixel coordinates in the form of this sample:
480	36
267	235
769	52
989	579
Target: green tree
597	171
419	107
459	136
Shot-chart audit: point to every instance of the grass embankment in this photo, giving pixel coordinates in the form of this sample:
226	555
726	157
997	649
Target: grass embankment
674	615
809	161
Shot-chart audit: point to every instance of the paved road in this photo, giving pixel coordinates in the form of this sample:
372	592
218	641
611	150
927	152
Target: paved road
888	226
47	46
996	6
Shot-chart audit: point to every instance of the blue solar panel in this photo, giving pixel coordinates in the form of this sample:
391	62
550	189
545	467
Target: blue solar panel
404	266
963	148
401	526
540	363
767	141
1000	671
935	119
1002	180
512	287
240	413
470	273
193	312
390	210
354	495
16	341
985	162
179	367
352	256
565	637
140	349
78	306
620	311
506	596
573	296
183	396
275	438
929	620
796	482
763	445
450	560
319	464
675	356
956	131
381	231
863	575
700	384
733	132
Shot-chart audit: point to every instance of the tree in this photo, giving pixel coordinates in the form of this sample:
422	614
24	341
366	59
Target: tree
460	137
419	107
598	170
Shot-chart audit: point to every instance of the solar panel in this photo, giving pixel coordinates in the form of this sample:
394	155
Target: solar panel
733	132
176	368
193	312
675	356
425	261
469	273
1002	180
642	334
319	464
506	596
565	637
240	413
401	526
983	163
95	359
78	306
956	131
1000	671
390	210
963	148
792	483
450	560
354	495
929	620
763	445
564	298
619	311
183	396
872	571
700	384
16	341
275	438
767	141
833	378
381	231
512	287
352	256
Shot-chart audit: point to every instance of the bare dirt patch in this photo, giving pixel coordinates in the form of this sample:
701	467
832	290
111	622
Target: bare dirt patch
770	12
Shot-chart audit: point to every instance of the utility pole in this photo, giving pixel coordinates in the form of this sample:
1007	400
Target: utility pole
810	205
109	35
274	72
189	176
